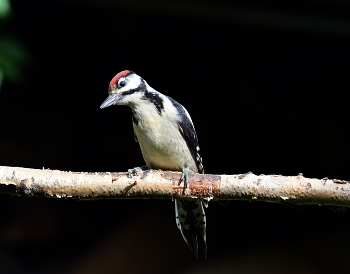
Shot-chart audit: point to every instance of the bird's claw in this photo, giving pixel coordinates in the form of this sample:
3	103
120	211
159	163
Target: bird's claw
135	171
184	176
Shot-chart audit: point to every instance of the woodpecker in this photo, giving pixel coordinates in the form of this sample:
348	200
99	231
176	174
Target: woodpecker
168	141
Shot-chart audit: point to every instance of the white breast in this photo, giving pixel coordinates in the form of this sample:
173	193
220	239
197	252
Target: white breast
161	142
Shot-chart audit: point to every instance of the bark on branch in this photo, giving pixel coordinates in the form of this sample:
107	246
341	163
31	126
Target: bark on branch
165	185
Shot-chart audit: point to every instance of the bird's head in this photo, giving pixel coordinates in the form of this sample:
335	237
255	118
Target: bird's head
124	89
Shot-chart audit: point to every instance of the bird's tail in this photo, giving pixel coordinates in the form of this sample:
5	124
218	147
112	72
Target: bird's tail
191	220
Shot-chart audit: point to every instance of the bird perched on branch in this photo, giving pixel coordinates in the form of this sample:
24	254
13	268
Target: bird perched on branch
168	141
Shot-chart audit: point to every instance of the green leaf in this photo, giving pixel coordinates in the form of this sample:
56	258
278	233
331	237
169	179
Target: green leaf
5	8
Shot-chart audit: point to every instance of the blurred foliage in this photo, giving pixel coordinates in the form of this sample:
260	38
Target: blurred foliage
4	8
12	54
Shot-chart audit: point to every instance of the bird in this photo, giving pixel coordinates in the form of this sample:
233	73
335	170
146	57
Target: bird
168	141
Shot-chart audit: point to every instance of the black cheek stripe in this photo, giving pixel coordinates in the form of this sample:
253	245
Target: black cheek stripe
155	99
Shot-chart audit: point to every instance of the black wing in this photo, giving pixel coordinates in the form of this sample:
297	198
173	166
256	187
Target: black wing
189	134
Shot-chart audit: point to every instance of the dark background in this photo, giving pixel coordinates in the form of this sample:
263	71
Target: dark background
267	86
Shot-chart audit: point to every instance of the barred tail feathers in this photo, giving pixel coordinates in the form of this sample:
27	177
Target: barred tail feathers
191	221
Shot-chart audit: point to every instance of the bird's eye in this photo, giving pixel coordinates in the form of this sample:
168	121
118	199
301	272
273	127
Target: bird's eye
122	84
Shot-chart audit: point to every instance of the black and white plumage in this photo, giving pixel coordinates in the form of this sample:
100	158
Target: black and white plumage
168	141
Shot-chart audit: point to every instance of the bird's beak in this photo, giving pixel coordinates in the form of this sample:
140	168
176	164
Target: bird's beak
110	100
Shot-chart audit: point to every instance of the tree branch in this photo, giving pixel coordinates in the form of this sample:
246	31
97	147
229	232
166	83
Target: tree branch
165	185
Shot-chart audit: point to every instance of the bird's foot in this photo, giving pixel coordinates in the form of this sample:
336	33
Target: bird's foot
184	176
135	171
